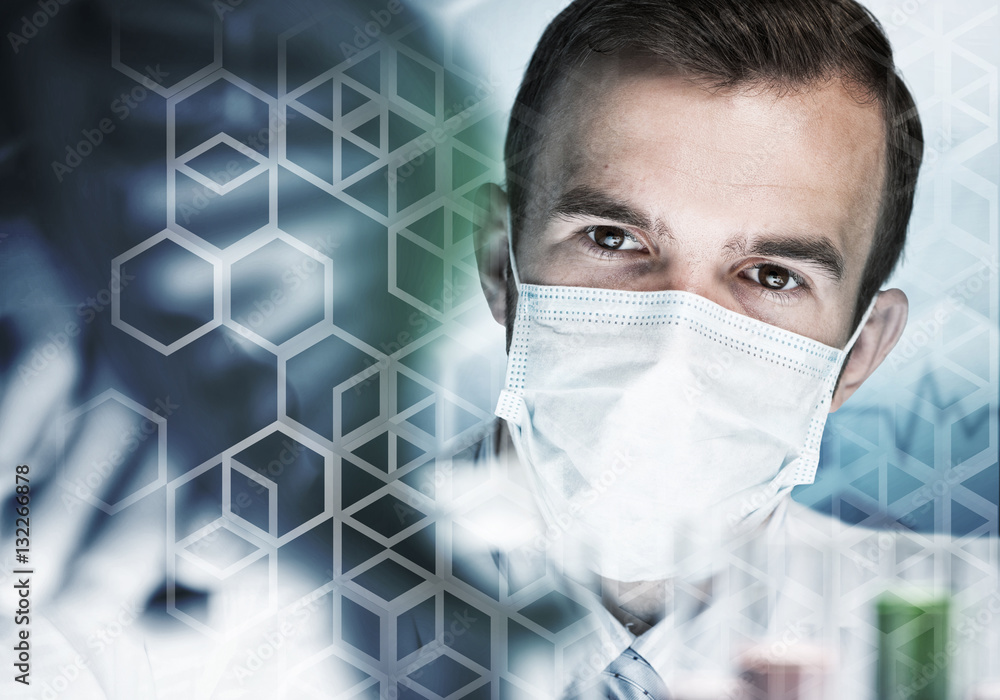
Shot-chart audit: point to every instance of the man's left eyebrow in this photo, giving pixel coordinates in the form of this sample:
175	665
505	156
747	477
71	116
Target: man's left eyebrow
588	202
820	252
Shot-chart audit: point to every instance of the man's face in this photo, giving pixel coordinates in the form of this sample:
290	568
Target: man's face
763	202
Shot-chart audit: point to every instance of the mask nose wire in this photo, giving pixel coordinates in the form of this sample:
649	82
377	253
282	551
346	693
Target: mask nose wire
510	251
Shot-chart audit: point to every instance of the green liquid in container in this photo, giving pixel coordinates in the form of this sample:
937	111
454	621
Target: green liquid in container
914	650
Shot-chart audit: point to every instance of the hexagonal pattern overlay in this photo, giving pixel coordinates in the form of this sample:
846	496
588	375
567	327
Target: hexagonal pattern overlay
164	292
293	475
279	291
427	586
117	436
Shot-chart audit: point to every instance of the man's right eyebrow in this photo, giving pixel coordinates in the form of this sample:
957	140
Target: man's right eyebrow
588	202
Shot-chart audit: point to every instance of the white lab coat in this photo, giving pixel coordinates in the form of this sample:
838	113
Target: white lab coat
804	580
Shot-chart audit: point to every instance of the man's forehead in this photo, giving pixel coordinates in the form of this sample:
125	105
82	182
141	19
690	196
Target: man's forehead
609	100
632	119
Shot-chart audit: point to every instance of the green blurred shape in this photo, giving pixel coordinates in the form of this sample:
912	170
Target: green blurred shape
914	650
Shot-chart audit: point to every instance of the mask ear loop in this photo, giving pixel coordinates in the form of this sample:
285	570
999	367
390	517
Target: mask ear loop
854	339
861	325
510	250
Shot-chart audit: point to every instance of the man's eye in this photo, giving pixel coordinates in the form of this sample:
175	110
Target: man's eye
773	277
613	238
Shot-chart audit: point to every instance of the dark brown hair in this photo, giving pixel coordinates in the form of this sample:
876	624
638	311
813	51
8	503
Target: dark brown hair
731	43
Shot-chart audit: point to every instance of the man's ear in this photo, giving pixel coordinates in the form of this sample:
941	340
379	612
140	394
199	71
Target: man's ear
884	327
492	257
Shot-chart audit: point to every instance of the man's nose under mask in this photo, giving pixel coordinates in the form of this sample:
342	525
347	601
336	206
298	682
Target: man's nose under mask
648	418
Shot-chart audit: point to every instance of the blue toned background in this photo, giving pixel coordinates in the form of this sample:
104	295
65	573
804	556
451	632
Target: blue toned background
241	333
917	445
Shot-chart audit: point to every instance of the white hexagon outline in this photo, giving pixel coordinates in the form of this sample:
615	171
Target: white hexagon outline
173	554
227	187
426	444
286	99
446	254
227	311
358	379
217	278
191	88
330	477
272	500
232	632
400	421
161	446
121	67
392	93
342	129
385	646
381	360
194	88
395	485
220	523
293	688
401	492
405	599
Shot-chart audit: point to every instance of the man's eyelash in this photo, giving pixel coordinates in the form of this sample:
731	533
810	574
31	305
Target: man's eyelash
608	254
799	280
584	236
625	232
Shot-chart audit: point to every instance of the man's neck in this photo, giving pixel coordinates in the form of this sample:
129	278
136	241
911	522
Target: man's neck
637	605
